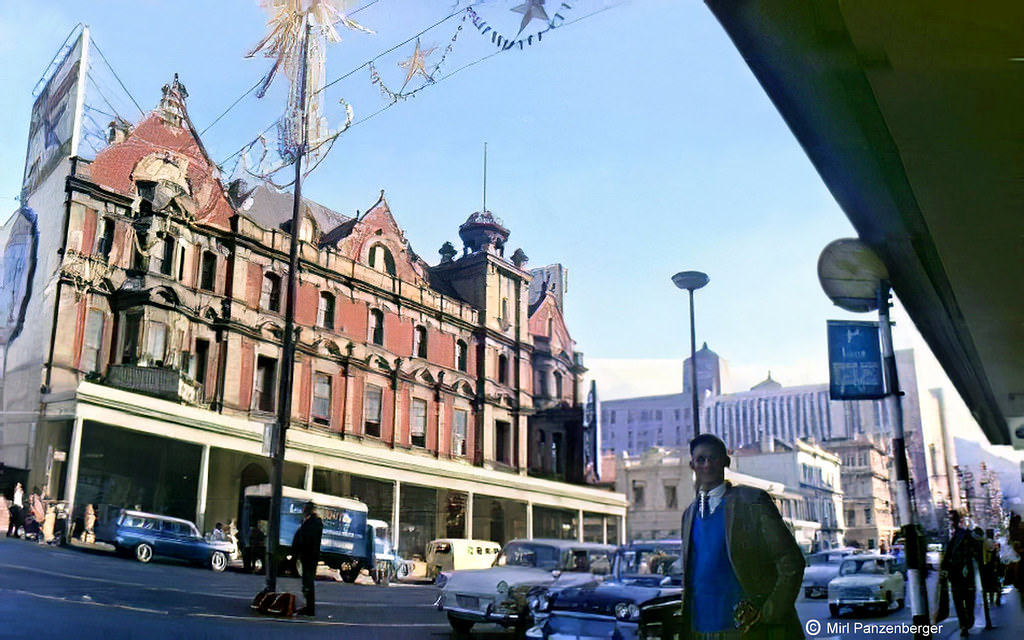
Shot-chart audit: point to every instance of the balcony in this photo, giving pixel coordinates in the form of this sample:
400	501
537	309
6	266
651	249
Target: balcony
168	384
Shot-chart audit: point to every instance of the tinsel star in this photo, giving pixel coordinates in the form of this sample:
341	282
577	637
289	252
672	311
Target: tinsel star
416	64
531	9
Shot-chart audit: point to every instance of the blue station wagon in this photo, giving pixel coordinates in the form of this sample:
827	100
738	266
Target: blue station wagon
147	535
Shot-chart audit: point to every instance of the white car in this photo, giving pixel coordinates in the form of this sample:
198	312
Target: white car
498	594
867	581
821	568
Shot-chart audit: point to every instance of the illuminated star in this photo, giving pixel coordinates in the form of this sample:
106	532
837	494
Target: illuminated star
416	64
531	9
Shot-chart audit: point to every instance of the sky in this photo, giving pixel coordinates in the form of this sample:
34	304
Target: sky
628	143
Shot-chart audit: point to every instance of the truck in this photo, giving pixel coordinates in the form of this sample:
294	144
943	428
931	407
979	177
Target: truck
347	542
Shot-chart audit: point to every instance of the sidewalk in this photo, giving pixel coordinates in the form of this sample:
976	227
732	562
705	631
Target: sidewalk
1008	620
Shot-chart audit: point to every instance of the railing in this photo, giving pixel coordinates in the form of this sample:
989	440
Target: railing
169	384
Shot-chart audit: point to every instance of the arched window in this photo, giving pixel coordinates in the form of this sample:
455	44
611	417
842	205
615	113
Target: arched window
376	327
419	342
558	385
270	298
381	259
306	229
325	311
461	356
503	369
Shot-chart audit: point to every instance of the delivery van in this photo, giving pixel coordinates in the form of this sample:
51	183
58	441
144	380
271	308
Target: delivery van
455	554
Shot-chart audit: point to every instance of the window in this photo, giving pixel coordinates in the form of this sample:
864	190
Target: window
418	423
502	433
419	342
381	260
156	343
638	494
181	264
263	392
202	357
322	398
130	339
671	501
461	355
92	341
867	515
208	271
270	298
556	453
551	331
306	230
558	385
459	422
371	410
503	369
325	311
167	257
105	242
849	517
376	327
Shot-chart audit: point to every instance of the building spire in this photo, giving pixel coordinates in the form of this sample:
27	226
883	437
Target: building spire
172	104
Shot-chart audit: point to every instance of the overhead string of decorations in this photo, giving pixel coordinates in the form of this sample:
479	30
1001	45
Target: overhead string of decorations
267	154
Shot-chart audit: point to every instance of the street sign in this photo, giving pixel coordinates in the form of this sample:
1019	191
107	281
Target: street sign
854	361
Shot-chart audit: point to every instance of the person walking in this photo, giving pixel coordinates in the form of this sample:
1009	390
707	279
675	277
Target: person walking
306	549
14	521
738	550
958	559
990	578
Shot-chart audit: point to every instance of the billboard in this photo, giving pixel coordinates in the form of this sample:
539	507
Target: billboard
854	361
56	114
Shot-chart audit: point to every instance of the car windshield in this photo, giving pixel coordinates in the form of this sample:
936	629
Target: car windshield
863	566
529	555
658	561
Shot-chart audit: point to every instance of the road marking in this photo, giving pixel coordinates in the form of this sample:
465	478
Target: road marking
86	601
319	622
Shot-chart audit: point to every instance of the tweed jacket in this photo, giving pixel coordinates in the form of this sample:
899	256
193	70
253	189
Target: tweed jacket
765	558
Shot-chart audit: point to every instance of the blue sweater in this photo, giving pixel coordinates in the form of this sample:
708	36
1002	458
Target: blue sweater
711	584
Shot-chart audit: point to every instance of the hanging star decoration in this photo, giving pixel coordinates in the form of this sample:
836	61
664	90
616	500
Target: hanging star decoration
531	10
416	64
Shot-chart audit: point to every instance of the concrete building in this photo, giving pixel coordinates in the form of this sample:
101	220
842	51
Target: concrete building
807	471
143	364
659	486
869	509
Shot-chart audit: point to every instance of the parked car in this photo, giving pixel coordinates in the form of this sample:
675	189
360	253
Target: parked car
456	554
147	535
866	581
498	594
821	568
933	556
646	578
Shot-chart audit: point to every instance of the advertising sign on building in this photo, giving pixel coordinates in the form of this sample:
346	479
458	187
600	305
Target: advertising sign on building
55	114
854	361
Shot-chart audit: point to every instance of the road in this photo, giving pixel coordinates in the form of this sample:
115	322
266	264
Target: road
72	593
75	593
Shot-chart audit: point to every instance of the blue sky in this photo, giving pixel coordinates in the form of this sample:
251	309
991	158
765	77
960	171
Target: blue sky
628	144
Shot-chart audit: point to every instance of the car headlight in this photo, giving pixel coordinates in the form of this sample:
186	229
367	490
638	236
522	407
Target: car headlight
502	587
539	602
627	611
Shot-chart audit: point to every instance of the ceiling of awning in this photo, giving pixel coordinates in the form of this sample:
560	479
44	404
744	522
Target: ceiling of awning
913	114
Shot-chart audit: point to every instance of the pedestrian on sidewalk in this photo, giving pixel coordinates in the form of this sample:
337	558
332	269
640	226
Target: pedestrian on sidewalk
958	560
990	569
306	549
14	521
1015	570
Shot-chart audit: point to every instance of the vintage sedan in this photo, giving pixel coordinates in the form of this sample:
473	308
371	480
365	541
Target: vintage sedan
147	535
646	581
821	568
866	581
498	594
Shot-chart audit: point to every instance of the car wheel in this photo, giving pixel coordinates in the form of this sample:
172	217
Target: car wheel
834	610
460	625
143	553
350	575
218	561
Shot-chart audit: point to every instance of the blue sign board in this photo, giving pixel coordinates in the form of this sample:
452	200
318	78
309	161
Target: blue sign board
854	361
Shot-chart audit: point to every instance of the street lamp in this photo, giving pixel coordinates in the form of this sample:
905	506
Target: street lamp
691	281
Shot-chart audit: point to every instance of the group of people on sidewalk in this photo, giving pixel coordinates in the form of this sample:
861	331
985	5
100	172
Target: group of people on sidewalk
974	556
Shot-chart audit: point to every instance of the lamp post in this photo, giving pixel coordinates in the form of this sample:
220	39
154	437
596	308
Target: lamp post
691	281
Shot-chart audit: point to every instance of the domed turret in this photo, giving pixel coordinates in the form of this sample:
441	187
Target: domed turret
482	231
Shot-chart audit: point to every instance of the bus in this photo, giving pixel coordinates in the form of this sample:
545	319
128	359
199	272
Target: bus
346	545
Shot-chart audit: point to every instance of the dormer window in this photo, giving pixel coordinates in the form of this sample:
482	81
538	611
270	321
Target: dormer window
306	228
381	259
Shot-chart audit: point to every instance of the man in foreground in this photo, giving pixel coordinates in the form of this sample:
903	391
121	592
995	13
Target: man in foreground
742	567
306	549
